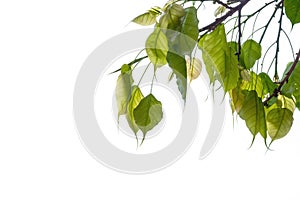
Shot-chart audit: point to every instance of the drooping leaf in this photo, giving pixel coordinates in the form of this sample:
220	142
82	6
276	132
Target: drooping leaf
237	99
279	123
178	65
171	18
253	113
148	114
250	53
292	10
220	58
268	85
254	84
123	89
194	68
157	48
189	31
146	19
293	85
136	97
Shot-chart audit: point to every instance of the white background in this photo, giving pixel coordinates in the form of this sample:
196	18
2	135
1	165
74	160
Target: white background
42	47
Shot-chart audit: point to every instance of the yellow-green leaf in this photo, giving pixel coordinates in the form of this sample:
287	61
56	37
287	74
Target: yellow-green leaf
136	97
157	48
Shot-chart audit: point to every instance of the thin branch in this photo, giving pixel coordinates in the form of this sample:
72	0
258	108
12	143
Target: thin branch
285	80
219	20
269	22
240	35
276	77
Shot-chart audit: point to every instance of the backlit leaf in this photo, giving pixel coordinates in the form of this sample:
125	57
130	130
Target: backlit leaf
123	89
148	114
279	123
253	113
146	19
194	68
136	97
292	10
219	58
157	48
250	53
178	65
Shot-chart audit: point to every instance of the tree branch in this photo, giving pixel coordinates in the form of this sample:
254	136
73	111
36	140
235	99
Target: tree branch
285	80
219	20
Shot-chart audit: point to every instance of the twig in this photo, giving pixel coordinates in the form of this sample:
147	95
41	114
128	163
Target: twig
285	80
219	20
276	77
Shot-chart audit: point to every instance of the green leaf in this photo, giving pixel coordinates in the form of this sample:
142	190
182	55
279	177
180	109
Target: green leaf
148	114
254	84
146	19
253	113
292	10
136	97
237	99
250	53
268	85
171	18
279	123
157	48
178	65
194	68
189	31
219	58
292	88
123	89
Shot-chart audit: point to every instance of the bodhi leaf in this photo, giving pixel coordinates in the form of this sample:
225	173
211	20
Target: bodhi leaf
123	89
253	113
148	114
171	18
136	97
157	48
189	31
293	85
292	10
193	68
279	123
178	65
254	84
219	58
237	99
146	19
250	53
268	85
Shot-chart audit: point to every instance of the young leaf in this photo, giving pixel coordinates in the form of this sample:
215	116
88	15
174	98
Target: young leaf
178	64
171	18
157	48
136	97
146	19
218	56
254	84
193	68
279	123
148	114
219	10
253	113
237	99
123	89
250	53
292	10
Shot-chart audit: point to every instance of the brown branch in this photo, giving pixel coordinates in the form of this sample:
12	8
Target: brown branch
285	80
219	20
